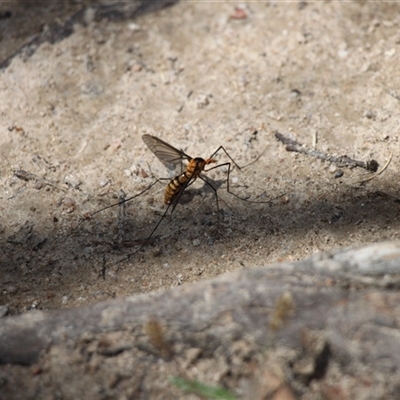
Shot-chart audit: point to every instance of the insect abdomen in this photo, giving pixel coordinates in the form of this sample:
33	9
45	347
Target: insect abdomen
176	184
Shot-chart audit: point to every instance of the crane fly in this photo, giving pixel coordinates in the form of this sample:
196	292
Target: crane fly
171	157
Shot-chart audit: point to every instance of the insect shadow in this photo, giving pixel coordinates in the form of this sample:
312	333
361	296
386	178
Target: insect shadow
176	187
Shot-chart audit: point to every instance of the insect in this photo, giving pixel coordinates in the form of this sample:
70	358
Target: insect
171	157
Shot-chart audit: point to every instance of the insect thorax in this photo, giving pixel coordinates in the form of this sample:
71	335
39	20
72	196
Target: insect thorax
195	166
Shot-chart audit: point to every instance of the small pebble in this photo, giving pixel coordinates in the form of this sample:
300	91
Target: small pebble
196	242
33	305
332	168
339	173
134	27
369	114
295	93
285	199
72	181
69	202
64	300
104	181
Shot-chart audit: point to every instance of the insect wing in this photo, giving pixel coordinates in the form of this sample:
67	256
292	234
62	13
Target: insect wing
167	154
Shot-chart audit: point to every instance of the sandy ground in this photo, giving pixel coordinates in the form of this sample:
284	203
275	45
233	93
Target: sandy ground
72	116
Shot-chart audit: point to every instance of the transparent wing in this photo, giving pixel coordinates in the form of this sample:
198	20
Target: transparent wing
167	154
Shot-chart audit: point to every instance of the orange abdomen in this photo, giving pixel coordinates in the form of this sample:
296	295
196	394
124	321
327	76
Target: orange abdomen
193	170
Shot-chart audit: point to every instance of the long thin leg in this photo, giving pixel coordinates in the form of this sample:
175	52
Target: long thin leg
121	215
147	240
129	198
227	184
222	148
113	205
229	171
255	160
244	166
116	204
173	204
214	190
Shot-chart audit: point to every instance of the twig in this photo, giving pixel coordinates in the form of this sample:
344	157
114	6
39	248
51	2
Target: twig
28	176
378	173
292	145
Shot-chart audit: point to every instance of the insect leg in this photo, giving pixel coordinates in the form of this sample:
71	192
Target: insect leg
213	189
112	205
236	165
173	203
222	148
255	160
147	240
129	198
227	183
228	174
116	204
121	215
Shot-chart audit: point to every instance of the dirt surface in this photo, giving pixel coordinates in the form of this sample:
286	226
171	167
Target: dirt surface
73	113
